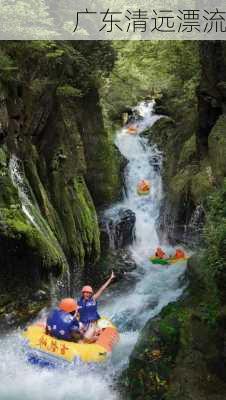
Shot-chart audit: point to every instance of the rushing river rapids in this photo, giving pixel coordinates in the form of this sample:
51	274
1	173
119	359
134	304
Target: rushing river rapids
129	308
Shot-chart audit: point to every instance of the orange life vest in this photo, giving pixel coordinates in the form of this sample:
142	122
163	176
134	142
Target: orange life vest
160	253
179	254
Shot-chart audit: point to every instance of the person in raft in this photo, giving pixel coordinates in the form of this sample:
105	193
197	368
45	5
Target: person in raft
62	322
144	185
88	308
160	253
179	254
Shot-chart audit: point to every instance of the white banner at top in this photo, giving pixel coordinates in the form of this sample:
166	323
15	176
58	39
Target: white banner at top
112	20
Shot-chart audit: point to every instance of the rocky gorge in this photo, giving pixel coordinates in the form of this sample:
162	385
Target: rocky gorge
181	353
59	169
53	143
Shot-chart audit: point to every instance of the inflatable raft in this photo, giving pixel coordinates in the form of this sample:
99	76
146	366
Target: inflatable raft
143	187
167	261
46	350
132	130
143	192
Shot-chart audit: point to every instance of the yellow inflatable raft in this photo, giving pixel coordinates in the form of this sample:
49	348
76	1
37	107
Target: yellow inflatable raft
41	346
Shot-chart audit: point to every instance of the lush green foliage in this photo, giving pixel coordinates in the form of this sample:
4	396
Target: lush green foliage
152	68
74	67
215	234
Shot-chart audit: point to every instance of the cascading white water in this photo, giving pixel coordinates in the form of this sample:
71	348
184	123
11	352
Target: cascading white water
156	286
25	194
32	211
129	307
144	162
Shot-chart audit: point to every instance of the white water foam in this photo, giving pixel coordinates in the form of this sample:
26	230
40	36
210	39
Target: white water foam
21	381
156	285
25	194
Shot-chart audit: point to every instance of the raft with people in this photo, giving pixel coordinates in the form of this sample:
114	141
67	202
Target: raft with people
161	257
46	350
73	332
143	187
132	130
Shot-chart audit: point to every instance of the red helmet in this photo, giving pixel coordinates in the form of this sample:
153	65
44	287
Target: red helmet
68	305
87	289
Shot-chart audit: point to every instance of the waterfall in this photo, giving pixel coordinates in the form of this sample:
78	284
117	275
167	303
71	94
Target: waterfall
156	286
24	191
32	212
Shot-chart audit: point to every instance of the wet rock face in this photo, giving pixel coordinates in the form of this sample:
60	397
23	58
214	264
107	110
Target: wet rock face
66	161
211	91
180	355
147	376
117	230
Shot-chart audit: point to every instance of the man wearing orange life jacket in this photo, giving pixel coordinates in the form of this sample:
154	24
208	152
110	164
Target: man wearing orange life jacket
160	253
179	254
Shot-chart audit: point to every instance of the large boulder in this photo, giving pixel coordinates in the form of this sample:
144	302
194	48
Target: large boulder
117	228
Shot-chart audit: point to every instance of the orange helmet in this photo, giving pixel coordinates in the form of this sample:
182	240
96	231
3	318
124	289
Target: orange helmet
88	289
68	305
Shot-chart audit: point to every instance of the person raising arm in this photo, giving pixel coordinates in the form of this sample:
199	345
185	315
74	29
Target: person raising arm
88	308
104	286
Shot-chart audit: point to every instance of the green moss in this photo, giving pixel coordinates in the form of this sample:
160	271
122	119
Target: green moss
48	134
8	194
188	151
3	158
68	91
15	225
41	195
103	162
154	354
60	190
217	148
193	182
87	218
38	85
215	236
179	185
106	165
201	185
75	207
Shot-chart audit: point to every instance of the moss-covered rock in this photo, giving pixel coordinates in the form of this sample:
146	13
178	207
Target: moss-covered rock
55	132
188	152
179	355
103	160
29	250
202	184
217	148
210	91
151	361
